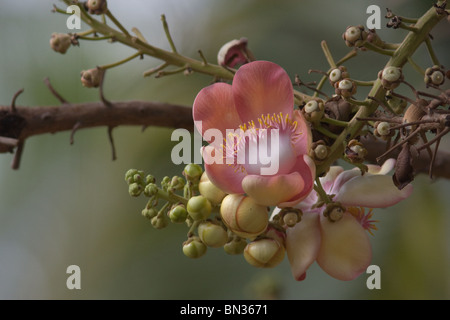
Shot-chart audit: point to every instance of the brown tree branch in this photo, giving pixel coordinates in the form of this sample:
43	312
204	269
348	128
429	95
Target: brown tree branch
24	122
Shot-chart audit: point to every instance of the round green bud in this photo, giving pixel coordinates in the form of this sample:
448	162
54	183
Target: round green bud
193	172
150	190
199	208
178	214
135	189
194	248
130	174
211	234
177	183
235	246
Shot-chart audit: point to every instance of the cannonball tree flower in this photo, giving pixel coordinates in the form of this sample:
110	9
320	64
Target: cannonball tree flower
341	248
258	105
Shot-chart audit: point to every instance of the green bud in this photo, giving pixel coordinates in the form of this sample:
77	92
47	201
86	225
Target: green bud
235	246
135	189
199	208
150	179
177	183
149	213
211	234
150	190
194	248
193	172
159	222
210	191
264	253
178	214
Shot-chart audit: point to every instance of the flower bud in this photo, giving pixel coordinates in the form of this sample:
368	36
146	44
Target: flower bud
177	183
313	110
235	246
234	53
159	222
382	129
178	214
97	6
355	151
319	151
334	211
345	88
194	248
338	74
135	189
354	36
150	190
264	253
210	191
60	42
192	172
149	213
391	77
199	208
243	216
434	75
91	78
212	234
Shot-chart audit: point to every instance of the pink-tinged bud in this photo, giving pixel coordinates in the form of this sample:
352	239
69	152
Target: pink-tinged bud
60	42
234	53
91	78
264	253
243	216
97	6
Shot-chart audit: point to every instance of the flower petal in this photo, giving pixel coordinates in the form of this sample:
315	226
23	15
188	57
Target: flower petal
303	141
372	191
328	180
345	250
225	177
387	166
214	109
302	244
261	88
306	167
272	190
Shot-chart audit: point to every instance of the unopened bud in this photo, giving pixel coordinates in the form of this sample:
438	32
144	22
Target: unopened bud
234	53
243	216
159	222
60	42
334	211
313	110
199	208
91	78
345	88
391	77
149	213
178	214
434	75
210	191
194	248
211	234
192	172
135	189
354	36
338	74
97	6
264	253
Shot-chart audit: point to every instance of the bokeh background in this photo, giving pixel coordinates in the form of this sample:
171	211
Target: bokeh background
68	204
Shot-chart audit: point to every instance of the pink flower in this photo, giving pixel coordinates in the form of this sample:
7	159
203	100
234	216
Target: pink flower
256	108
341	248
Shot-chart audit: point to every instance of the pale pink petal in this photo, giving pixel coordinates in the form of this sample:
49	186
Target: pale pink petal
328	180
302	244
214	109
345	250
387	166
225	177
272	190
343	178
372	191
261	88
307	169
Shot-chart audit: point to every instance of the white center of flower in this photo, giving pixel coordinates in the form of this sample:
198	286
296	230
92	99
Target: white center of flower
437	77
352	34
311	106
335	75
391	74
345	85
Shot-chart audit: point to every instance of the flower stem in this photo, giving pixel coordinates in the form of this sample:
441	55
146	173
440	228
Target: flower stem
118	63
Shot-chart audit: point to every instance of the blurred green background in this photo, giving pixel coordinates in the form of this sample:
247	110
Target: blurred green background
68	204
